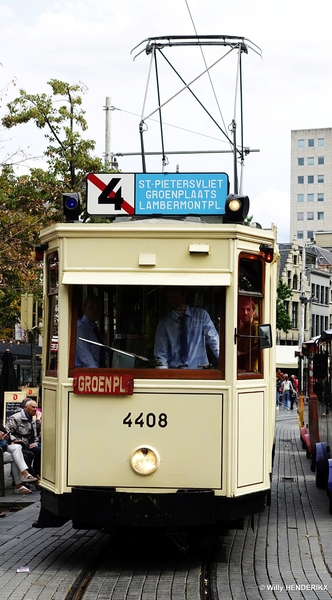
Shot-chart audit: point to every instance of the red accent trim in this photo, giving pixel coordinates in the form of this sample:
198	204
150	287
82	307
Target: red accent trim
308	442
303	432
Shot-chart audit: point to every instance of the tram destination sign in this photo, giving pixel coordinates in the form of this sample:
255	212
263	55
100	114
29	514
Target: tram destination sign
147	194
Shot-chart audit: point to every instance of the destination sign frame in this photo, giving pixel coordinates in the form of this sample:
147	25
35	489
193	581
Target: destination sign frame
156	194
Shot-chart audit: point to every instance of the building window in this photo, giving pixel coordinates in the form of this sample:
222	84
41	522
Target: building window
320	141
300	218
320	216
295	257
310	235
300	197
320	197
321	160
289	278
299	235
320	178
310	197
310	179
310	216
300	162
311	143
295	282
322	294
326	295
300	179
294	314
300	143
313	290
311	160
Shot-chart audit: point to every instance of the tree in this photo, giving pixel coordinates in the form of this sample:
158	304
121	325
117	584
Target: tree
26	205
67	152
33	201
284	322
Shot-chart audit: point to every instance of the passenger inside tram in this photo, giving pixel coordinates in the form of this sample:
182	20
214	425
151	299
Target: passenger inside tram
247	341
88	354
182	335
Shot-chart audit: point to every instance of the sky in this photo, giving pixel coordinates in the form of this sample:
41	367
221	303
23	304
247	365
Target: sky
287	87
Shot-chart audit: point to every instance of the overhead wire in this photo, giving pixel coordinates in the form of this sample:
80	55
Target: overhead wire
208	72
238	76
174	126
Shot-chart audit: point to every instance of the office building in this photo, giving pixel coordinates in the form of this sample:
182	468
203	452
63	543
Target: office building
311	183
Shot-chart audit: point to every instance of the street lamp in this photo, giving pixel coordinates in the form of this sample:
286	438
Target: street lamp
303	302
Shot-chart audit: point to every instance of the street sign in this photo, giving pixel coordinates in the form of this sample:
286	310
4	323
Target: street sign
147	194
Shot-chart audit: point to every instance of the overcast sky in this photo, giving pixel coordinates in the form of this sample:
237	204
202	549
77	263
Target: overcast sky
91	42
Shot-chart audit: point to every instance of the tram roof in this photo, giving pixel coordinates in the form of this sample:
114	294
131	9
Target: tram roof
187	224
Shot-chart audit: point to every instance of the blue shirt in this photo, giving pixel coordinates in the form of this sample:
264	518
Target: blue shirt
87	355
201	331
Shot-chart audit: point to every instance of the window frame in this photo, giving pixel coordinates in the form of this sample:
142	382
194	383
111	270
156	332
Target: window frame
259	298
146	373
52	283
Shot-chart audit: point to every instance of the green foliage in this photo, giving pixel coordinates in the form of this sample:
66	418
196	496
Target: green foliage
247	221
27	203
284	322
62	119
33	201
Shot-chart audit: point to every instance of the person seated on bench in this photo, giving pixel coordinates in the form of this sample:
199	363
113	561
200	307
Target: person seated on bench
22	429
12	453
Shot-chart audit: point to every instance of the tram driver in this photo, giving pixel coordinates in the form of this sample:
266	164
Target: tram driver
182	335
90	355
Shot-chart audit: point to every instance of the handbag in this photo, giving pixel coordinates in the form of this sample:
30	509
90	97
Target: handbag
4	445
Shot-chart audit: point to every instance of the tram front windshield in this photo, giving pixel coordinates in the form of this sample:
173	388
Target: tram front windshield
147	327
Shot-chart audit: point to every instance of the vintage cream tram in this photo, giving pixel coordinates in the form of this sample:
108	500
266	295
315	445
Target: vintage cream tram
129	442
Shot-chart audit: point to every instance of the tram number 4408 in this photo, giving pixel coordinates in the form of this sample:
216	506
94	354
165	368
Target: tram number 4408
150	420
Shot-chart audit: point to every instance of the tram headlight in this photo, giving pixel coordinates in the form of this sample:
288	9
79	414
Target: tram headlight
236	208
145	460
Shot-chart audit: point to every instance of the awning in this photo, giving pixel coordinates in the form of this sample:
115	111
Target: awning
285	357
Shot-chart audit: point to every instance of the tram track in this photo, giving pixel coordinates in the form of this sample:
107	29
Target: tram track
282	552
148	565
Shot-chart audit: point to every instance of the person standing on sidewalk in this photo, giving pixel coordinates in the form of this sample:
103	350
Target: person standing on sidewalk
294	393
287	388
279	389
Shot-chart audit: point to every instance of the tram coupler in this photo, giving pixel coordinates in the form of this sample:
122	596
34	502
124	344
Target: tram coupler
179	538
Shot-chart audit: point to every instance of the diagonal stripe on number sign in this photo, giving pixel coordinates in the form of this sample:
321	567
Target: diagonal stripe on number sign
115	196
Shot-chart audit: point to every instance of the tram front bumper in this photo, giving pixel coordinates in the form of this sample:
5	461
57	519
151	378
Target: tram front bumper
103	507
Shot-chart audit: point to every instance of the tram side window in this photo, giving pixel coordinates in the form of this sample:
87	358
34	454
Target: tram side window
152	327
249	316
53	314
